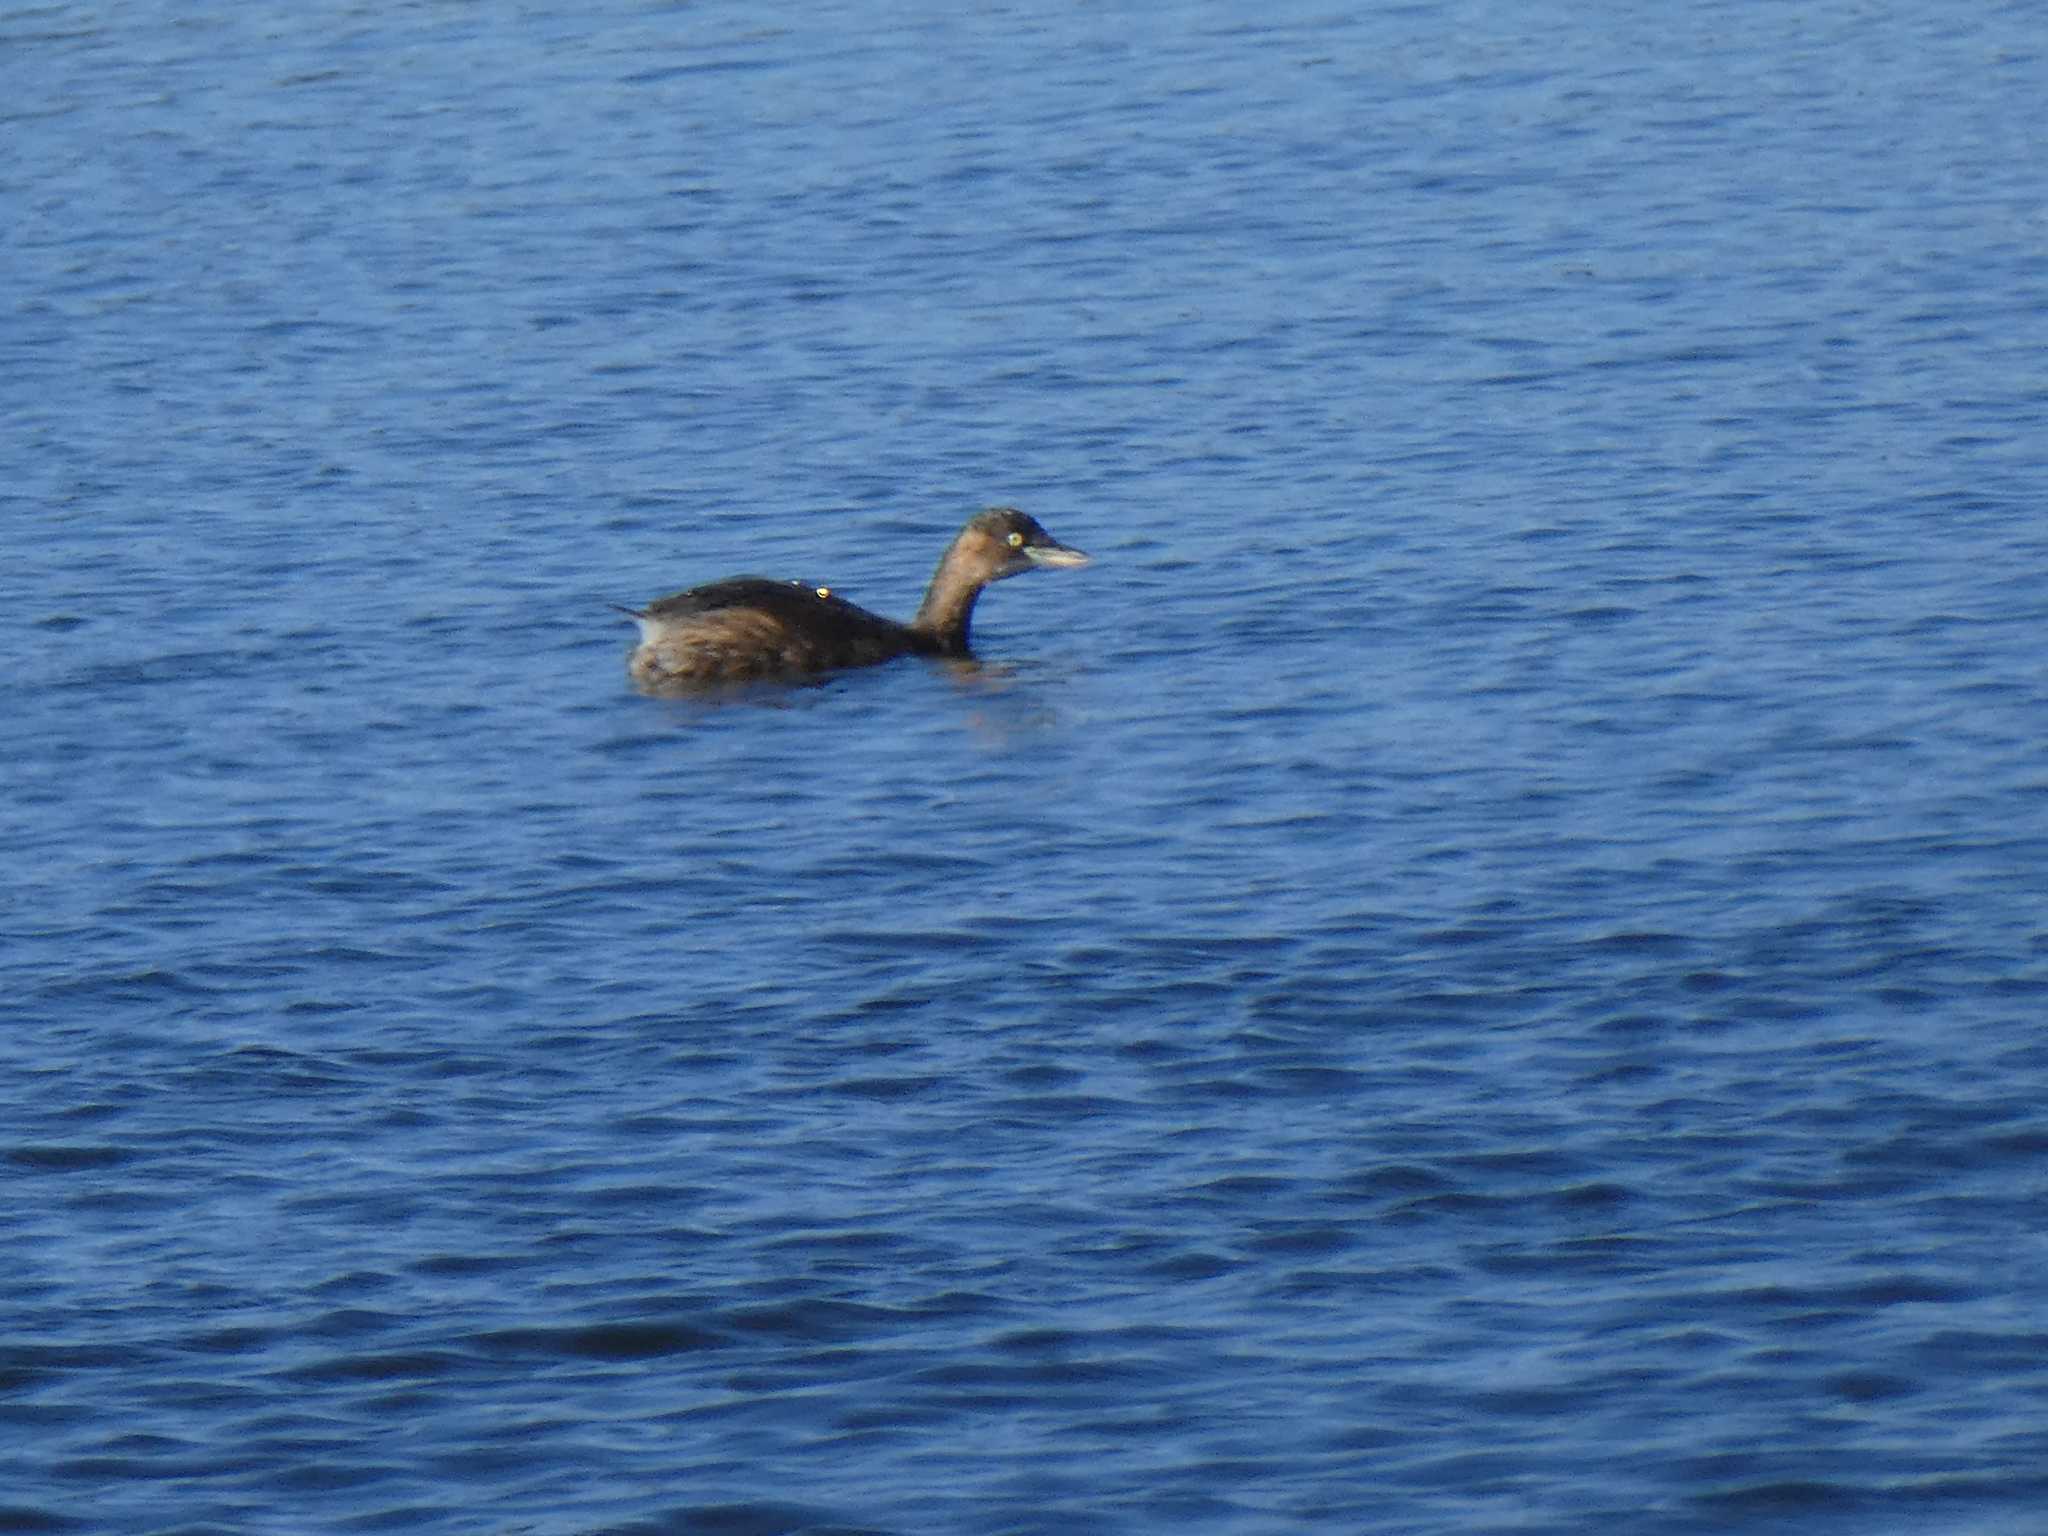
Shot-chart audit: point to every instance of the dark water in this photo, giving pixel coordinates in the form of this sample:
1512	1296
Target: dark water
1481	971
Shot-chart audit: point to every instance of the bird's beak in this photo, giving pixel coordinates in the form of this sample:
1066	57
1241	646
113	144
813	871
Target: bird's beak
1054	556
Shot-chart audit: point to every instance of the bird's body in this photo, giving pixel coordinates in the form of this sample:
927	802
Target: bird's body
749	628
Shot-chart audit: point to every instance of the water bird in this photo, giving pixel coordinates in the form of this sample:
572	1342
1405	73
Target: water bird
751	628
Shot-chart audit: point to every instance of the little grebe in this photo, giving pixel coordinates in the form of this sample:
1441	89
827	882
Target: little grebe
751	627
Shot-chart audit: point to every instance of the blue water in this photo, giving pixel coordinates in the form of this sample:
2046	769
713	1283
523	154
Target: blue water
1482	970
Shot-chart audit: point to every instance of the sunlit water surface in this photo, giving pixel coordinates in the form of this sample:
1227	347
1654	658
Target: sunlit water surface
1482	970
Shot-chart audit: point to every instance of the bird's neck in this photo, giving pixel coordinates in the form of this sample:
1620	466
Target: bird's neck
948	608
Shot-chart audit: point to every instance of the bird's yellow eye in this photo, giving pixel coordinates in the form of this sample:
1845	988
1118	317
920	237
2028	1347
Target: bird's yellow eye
1016	541
824	591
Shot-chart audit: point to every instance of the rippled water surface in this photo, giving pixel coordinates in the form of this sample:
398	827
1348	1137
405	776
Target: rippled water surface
1482	970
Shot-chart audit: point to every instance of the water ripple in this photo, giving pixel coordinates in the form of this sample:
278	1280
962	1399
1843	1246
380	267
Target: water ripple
1479	970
